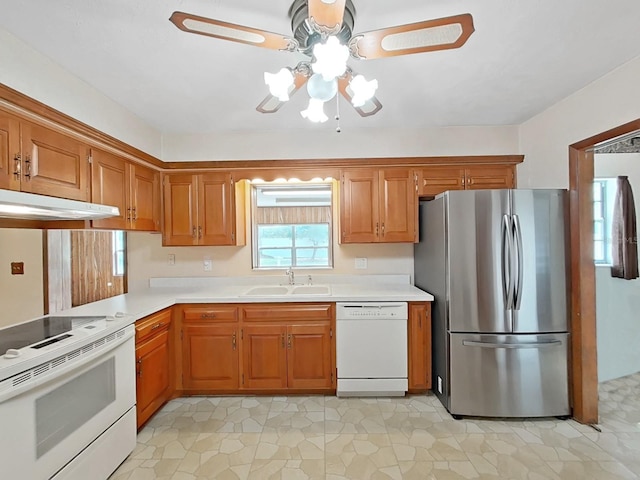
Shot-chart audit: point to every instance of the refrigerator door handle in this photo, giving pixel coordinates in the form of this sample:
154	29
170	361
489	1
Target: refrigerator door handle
507	271
471	343
517	230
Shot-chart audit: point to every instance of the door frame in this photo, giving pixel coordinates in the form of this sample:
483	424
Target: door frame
584	359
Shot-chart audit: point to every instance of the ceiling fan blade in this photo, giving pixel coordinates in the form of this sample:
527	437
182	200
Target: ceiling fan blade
327	14
271	103
229	31
371	106
427	36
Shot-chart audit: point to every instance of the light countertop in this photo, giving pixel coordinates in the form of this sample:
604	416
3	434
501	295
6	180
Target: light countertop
165	292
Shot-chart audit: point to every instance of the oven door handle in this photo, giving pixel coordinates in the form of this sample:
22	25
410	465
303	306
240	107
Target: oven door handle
28	380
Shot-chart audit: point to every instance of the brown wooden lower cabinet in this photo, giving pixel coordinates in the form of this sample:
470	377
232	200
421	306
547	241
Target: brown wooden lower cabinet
264	357
419	337
154	367
209	346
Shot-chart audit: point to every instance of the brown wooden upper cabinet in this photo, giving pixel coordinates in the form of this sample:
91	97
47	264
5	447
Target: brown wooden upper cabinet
438	179
36	159
134	189
378	205
202	209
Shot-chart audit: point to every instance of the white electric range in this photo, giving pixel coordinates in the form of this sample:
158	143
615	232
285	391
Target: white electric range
67	397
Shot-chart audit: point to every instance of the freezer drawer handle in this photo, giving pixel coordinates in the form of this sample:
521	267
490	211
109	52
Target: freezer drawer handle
471	343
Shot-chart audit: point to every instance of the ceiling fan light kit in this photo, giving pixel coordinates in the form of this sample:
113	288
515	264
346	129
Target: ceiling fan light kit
322	30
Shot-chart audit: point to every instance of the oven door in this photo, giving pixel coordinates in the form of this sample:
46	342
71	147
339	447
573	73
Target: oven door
48	418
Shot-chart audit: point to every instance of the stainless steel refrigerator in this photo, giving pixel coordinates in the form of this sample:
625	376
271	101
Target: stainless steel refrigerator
496	263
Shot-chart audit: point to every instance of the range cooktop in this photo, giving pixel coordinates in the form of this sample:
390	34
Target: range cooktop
42	332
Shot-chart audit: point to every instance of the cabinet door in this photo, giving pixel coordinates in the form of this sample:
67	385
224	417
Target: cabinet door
359	203
144	198
264	357
9	152
216	203
485	177
309	356
398	207
54	164
110	186
419	336
209	356
180	210
152	368
435	180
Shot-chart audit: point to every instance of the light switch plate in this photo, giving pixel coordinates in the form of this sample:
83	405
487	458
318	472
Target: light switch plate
172	259
361	263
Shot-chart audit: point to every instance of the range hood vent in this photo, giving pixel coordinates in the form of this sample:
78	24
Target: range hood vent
29	206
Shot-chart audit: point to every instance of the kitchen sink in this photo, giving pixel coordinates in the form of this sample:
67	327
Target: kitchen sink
282	290
267	291
311	290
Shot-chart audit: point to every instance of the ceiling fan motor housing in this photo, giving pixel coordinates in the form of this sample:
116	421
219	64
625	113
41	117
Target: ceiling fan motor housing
306	36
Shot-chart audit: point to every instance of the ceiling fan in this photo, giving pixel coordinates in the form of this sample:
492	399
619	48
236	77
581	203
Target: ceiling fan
323	31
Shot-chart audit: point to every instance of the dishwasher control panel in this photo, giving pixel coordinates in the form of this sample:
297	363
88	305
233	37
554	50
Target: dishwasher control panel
372	310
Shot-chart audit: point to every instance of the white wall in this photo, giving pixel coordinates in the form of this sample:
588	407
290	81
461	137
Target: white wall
350	143
21	296
617	300
31	73
604	104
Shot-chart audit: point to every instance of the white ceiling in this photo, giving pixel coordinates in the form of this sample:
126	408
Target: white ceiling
523	57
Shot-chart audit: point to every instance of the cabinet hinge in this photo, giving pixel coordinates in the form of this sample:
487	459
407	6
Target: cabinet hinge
90	158
331	334
242	334
233	237
243	378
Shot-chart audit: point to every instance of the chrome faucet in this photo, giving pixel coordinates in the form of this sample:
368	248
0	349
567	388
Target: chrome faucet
290	274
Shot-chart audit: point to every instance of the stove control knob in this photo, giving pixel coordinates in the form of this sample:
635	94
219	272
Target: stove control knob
12	353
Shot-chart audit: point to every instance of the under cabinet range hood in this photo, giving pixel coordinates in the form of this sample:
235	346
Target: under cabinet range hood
29	206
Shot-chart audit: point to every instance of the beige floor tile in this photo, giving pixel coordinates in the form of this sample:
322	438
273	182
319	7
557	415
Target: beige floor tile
405	438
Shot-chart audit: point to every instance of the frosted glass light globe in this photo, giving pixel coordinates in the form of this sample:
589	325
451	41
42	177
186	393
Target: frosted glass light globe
321	89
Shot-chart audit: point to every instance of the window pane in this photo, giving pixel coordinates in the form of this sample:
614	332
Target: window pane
275	236
274	257
312	235
598	230
598	251
597	191
312	257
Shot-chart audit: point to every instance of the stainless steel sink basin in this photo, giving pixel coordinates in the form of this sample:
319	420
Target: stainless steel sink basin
311	290
267	291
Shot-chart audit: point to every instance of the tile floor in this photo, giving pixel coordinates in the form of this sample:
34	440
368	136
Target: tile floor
315	437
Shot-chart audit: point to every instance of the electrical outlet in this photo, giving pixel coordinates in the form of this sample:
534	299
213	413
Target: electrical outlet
207	264
172	259
361	263
17	268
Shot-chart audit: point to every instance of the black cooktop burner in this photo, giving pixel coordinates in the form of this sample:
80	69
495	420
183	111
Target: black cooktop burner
40	329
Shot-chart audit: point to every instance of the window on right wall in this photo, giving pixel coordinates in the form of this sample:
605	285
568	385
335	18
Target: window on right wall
604	194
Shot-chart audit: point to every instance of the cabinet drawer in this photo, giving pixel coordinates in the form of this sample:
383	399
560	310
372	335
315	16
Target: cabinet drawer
153	324
266	312
211	313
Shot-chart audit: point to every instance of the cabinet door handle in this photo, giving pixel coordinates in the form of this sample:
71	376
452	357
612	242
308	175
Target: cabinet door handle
27	161
462	181
208	315
377	229
193	232
283	340
128	214
200	232
139	369
17	166
233	341
135	215
289	342
383	229
157	325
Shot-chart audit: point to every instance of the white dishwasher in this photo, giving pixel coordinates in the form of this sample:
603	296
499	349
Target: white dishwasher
371	348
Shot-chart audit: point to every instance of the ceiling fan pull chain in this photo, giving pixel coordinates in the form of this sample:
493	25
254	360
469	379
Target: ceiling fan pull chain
338	129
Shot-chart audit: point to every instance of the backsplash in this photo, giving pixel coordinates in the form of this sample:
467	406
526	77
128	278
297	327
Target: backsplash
147	258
